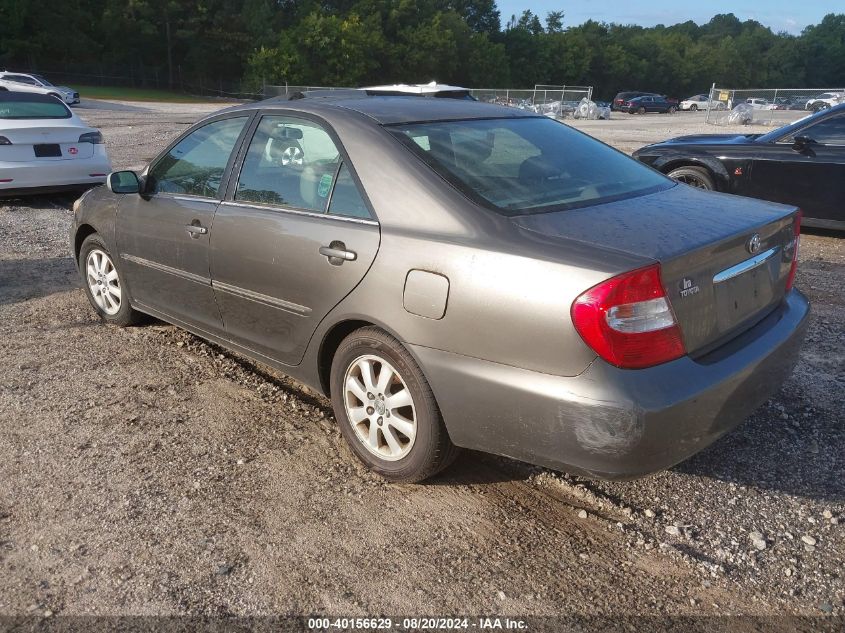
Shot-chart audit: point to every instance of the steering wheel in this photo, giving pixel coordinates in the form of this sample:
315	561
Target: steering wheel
292	155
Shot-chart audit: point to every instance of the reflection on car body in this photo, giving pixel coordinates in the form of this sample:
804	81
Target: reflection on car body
802	164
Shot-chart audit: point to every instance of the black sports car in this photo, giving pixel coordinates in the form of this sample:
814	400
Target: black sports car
802	164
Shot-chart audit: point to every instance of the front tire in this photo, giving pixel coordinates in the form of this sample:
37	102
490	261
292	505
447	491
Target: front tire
103	283
697	177
386	409
641	110
693	107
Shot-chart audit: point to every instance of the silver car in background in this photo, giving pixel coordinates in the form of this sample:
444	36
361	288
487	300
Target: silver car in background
457	274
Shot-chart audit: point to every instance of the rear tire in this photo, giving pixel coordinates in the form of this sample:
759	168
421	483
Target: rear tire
696	177
404	440
103	283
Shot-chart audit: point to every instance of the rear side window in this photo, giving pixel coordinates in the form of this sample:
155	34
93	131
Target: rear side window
295	163
33	110
196	164
527	165
290	162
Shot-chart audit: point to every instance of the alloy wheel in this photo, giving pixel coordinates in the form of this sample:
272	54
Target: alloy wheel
380	407
103	281
692	181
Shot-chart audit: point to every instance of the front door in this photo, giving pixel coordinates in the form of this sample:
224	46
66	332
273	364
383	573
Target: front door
294	239
812	179
162	234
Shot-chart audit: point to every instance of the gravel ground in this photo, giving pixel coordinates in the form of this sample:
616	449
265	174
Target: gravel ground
147	472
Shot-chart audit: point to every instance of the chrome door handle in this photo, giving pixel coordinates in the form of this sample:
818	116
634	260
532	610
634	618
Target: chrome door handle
337	250
195	230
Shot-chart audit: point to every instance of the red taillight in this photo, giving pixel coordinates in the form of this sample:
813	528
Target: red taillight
796	240
627	320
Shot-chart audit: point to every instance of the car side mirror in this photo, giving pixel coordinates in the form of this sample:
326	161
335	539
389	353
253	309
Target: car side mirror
124	182
801	143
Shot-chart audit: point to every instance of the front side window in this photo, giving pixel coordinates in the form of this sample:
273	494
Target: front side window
196	164
23	79
828	132
527	165
290	162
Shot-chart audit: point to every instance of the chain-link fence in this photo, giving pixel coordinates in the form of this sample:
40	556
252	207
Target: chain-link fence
287	91
768	106
560	101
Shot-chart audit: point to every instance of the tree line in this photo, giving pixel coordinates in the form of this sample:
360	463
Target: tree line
360	42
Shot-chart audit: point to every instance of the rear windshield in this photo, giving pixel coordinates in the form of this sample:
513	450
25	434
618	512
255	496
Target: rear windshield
33	110
528	165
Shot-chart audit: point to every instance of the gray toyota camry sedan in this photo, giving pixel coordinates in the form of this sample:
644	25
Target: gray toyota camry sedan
457	274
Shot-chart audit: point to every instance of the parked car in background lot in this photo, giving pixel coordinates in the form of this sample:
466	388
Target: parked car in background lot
36	84
758	103
649	103
700	102
621	98
46	147
453	273
802	164
824	101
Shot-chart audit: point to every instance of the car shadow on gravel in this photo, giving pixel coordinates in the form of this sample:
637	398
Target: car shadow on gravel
798	453
60	200
24	279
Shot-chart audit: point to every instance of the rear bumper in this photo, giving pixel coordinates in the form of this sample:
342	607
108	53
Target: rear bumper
614	423
44	175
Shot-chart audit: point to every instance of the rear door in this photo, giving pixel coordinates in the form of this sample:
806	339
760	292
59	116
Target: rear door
293	238
163	234
813	179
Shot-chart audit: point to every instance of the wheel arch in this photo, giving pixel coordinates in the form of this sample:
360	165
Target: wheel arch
328	347
82	232
716	170
333	337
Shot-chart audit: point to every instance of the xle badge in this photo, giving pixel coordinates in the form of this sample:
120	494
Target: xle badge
687	287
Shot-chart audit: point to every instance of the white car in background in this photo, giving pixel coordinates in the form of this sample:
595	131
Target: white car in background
757	103
36	84
44	147
825	100
699	102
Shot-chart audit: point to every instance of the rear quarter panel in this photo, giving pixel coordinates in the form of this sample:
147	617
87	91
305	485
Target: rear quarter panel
510	290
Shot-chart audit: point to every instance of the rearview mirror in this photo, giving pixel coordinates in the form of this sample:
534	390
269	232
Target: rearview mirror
123	182
800	143
282	131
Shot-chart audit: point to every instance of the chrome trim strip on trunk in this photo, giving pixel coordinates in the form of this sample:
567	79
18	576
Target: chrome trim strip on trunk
167	269
267	300
744	267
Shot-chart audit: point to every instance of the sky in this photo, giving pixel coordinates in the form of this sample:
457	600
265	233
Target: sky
781	15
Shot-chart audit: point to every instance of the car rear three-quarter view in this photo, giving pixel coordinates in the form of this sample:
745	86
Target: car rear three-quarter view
45	147
457	274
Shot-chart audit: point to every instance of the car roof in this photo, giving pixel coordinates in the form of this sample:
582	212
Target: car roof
389	110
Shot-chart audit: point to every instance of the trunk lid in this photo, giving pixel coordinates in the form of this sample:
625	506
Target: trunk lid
718	282
24	140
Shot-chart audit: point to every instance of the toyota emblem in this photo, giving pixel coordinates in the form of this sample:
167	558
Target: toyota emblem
72	150
753	243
